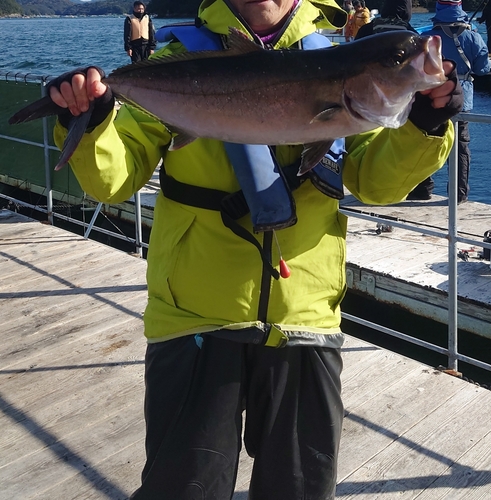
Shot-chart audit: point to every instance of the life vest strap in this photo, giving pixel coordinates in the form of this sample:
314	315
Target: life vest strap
232	206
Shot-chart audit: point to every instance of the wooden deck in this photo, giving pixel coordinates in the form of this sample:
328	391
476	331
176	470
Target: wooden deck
71	389
410	269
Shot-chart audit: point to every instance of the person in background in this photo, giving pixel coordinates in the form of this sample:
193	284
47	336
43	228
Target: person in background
228	331
360	17
467	48
348	34
486	18
395	14
139	35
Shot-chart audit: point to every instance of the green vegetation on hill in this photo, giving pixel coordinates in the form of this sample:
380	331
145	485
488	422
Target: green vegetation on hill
162	8
9	7
73	8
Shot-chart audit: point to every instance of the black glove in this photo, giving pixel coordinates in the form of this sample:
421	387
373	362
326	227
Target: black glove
433	120
103	105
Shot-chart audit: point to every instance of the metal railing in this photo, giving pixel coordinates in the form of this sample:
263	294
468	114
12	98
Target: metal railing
18	77
451	235
453	238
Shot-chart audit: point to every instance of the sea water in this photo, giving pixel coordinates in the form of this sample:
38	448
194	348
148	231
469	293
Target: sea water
53	45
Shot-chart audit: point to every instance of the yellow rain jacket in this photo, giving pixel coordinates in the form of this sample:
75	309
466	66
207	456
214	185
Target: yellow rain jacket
201	276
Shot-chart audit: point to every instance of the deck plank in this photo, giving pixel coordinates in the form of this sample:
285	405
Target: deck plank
71	390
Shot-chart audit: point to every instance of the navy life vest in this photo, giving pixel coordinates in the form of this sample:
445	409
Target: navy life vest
266	188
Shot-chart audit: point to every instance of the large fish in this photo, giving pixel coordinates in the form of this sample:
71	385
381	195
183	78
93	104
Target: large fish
250	95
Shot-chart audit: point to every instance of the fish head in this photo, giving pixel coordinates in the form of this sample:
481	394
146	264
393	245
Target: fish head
405	63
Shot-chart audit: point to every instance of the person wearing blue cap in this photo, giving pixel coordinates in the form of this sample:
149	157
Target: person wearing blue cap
466	47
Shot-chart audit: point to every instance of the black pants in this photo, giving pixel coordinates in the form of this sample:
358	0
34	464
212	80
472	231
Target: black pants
193	408
139	50
464	161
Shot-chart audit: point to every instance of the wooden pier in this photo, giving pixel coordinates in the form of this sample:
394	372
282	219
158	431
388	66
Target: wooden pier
71	388
409	269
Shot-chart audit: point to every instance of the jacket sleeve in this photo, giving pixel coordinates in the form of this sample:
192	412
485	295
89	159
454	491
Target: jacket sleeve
151	35
384	165
118	157
127	34
480	59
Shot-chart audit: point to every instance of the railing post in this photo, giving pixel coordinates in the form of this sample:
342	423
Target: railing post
452	254
138	224
92	221
47	168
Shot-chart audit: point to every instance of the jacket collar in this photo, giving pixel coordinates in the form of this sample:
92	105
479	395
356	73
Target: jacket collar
308	16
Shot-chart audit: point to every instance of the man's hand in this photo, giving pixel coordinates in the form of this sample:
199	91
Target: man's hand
75	93
433	108
440	96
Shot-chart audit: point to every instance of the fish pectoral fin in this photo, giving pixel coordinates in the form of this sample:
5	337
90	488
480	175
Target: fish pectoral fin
38	109
328	113
180	140
312	154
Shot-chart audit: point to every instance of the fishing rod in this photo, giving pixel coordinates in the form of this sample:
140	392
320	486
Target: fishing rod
478	10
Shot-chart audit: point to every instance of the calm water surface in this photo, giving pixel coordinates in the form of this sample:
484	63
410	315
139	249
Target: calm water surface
50	46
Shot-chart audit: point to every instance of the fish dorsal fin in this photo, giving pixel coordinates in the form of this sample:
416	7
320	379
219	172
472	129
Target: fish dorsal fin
237	42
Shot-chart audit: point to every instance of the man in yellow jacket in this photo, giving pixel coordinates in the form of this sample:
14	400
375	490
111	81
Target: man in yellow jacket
223	334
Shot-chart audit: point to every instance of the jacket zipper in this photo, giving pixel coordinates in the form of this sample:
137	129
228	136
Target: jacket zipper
265	291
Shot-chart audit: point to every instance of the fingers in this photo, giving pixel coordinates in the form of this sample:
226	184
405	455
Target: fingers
448	66
95	88
440	96
77	95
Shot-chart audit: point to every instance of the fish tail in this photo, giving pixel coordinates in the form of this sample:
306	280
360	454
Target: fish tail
76	129
38	109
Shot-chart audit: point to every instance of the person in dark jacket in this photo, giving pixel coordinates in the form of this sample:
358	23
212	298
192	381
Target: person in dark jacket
139	36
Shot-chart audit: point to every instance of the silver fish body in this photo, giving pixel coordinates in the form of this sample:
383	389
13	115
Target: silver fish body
250	95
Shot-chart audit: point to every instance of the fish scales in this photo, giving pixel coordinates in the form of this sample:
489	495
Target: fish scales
250	95
221	106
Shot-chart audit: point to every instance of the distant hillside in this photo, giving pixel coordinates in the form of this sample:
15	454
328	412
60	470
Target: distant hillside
163	8
9	8
73	7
